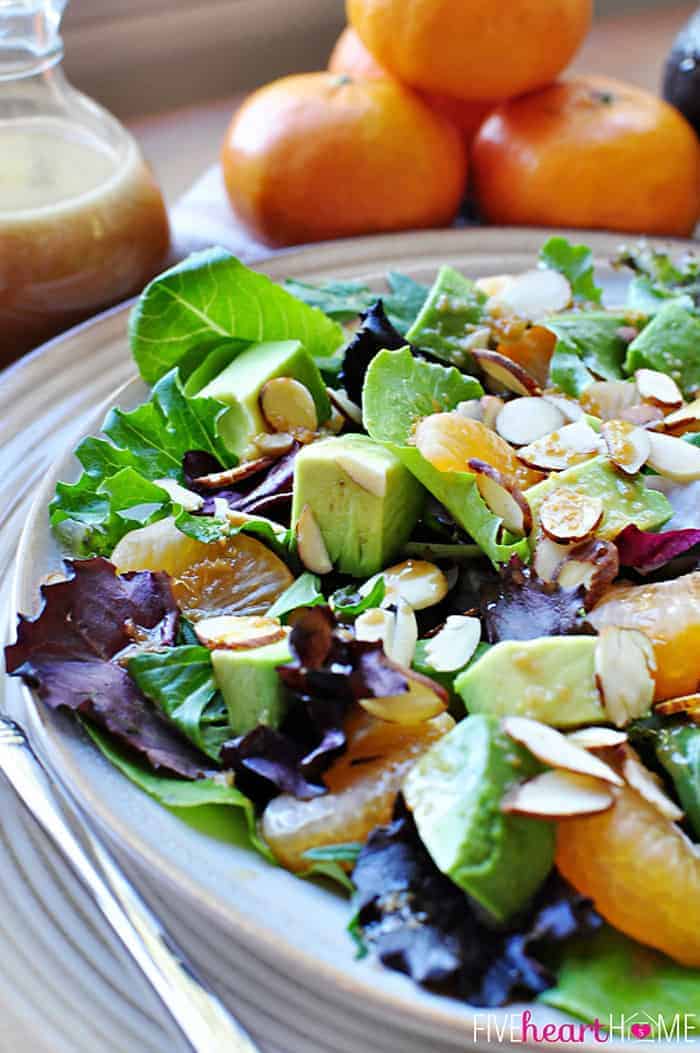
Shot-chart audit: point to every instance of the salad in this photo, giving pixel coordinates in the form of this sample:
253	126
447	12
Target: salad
411	585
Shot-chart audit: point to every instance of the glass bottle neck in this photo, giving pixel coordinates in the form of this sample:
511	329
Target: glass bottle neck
30	40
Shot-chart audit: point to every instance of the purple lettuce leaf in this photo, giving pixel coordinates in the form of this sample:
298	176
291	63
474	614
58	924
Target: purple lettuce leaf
418	922
520	606
68	653
646	551
375	334
267	492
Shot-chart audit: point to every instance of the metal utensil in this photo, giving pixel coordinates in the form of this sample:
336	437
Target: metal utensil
205	1023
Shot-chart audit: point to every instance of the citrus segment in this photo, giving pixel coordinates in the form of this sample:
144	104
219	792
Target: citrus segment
449	441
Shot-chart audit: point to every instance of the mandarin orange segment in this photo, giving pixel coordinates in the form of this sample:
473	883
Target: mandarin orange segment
533	350
640	870
363	784
449	441
668	612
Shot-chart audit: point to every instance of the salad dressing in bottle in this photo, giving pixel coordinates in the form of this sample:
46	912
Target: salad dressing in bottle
82	221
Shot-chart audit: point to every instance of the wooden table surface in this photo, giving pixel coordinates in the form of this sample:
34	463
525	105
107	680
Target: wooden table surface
182	143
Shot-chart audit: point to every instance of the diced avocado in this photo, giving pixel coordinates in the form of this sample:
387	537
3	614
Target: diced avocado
449	316
670	344
625	500
250	684
455	792
551	679
239	384
363	499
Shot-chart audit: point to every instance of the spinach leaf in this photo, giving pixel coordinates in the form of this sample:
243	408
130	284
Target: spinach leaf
669	343
678	752
304	592
345	300
575	262
590	345
212	297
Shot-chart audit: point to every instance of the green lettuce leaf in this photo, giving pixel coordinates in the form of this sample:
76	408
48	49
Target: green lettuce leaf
181	682
678	751
576	263
454	308
399	390
658	280
670	343
589	346
608	977
212	297
210	528
345	300
304	592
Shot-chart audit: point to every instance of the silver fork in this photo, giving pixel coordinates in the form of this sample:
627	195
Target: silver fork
205	1024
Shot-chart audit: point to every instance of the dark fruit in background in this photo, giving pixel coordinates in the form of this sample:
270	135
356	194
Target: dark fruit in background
681	86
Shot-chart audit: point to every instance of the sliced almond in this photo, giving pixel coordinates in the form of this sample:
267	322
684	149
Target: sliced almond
686	419
548	557
628	446
415	705
571	411
595	564
624	663
506	372
682	704
557	750
535	294
649	787
562	449
491	406
376	625
364	473
180	495
217	480
237	518
644	415
503	498
658	388
345	405
493	284
674	458
420	583
525	419
273	444
335	423
558	795
310	544
471	409
608	398
597	738
396	629
454	645
567	515
238	632
287	405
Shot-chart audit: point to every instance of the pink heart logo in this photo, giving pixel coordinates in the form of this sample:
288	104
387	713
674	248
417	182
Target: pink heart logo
641	1030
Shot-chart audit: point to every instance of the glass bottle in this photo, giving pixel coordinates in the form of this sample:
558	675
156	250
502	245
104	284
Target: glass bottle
82	221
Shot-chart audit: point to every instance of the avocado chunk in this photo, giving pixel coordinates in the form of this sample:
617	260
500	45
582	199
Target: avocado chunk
455	792
625	500
669	344
239	385
551	679
365	502
249	682
450	315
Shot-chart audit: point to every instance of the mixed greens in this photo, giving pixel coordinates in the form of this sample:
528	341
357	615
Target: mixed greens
407	590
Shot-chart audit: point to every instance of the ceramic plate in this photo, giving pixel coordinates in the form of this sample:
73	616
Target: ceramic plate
275	946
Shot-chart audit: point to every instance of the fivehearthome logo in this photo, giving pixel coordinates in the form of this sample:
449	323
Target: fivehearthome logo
520	1028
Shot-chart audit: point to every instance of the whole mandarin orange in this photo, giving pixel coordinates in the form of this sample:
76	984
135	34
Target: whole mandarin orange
351	56
320	156
590	152
473	49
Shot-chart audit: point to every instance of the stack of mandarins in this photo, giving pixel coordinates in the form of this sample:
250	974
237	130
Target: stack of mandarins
425	100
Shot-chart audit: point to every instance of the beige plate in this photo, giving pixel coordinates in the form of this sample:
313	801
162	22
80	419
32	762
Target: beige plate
276	944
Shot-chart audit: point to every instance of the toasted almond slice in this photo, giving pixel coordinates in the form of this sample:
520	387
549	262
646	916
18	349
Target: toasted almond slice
420	583
562	449
310	544
376	625
453	646
608	398
674	458
558	795
658	388
525	419
548	557
237	518
506	372
273	444
494	284
471	409
686	419
648	787
597	738
571	411
217	480
336	422
287	405
682	704
345	405
491	406
624	663
567	515
535	294
396	629
189	500
420	702
232	632
403	647
644	416
594	564
503	498
556	750
363	472
628	446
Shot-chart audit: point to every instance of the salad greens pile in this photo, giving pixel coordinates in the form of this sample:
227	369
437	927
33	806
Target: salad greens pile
356	586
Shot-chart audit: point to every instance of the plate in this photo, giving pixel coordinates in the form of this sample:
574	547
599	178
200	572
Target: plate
275	946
